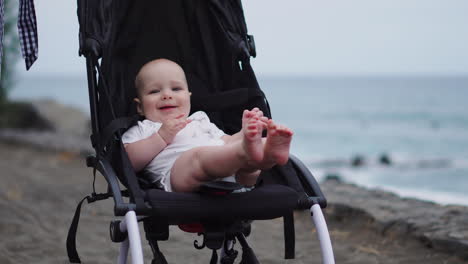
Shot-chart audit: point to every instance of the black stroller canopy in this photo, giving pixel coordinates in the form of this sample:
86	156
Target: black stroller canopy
207	38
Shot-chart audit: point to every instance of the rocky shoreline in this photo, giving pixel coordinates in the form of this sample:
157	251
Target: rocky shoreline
60	128
440	228
443	228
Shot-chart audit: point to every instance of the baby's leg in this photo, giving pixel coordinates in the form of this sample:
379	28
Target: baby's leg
277	144
247	177
203	164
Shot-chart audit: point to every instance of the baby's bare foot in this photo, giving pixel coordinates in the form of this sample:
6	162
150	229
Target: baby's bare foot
277	145
246	117
249	114
252	140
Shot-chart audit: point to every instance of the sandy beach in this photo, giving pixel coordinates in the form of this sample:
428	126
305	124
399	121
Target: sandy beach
41	188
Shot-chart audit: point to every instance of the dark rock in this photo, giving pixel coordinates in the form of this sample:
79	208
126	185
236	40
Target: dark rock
64	118
333	177
48	140
46	124
385	159
23	115
357	161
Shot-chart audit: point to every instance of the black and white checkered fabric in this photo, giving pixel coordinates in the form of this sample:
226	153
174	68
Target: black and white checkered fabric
27	29
1	35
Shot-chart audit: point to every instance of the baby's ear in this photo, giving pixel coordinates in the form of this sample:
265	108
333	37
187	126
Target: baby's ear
138	105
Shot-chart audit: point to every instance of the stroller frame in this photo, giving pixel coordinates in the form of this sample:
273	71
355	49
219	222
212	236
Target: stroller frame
126	231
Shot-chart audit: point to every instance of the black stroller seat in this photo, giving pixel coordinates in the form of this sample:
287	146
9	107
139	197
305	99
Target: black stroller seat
179	208
209	40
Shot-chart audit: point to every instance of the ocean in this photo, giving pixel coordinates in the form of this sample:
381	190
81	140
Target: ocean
346	126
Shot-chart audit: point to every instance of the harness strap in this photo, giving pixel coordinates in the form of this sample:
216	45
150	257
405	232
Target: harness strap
214	257
114	126
290	177
71	237
289	231
289	236
130	178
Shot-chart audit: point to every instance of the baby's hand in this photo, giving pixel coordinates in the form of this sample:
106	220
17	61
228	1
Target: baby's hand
171	127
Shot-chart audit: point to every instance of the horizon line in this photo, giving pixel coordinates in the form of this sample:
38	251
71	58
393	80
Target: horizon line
18	77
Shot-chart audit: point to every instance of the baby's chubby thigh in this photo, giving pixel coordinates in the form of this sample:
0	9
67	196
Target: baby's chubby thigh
186	172
189	169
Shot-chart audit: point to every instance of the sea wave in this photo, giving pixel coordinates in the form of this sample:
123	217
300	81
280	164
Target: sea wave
439	180
385	161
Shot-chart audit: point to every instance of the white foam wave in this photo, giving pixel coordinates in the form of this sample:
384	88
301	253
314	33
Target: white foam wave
366	178
439	197
460	163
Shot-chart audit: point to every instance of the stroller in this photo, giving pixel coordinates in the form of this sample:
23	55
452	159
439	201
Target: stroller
209	40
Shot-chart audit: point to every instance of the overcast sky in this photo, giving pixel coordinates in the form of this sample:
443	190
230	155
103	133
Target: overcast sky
309	37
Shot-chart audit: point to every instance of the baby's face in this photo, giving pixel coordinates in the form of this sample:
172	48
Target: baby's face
163	91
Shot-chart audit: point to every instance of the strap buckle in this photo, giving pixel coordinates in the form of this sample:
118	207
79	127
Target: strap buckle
251	45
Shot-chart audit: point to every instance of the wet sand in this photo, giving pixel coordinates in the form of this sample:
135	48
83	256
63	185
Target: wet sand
40	190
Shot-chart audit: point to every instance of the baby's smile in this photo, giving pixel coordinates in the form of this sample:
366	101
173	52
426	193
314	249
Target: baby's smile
167	107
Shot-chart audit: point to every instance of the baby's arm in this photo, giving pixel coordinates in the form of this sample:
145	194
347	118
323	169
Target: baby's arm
141	152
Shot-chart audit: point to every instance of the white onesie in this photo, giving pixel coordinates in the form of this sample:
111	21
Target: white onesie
199	132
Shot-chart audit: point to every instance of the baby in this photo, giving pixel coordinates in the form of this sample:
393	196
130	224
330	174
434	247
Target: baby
183	151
